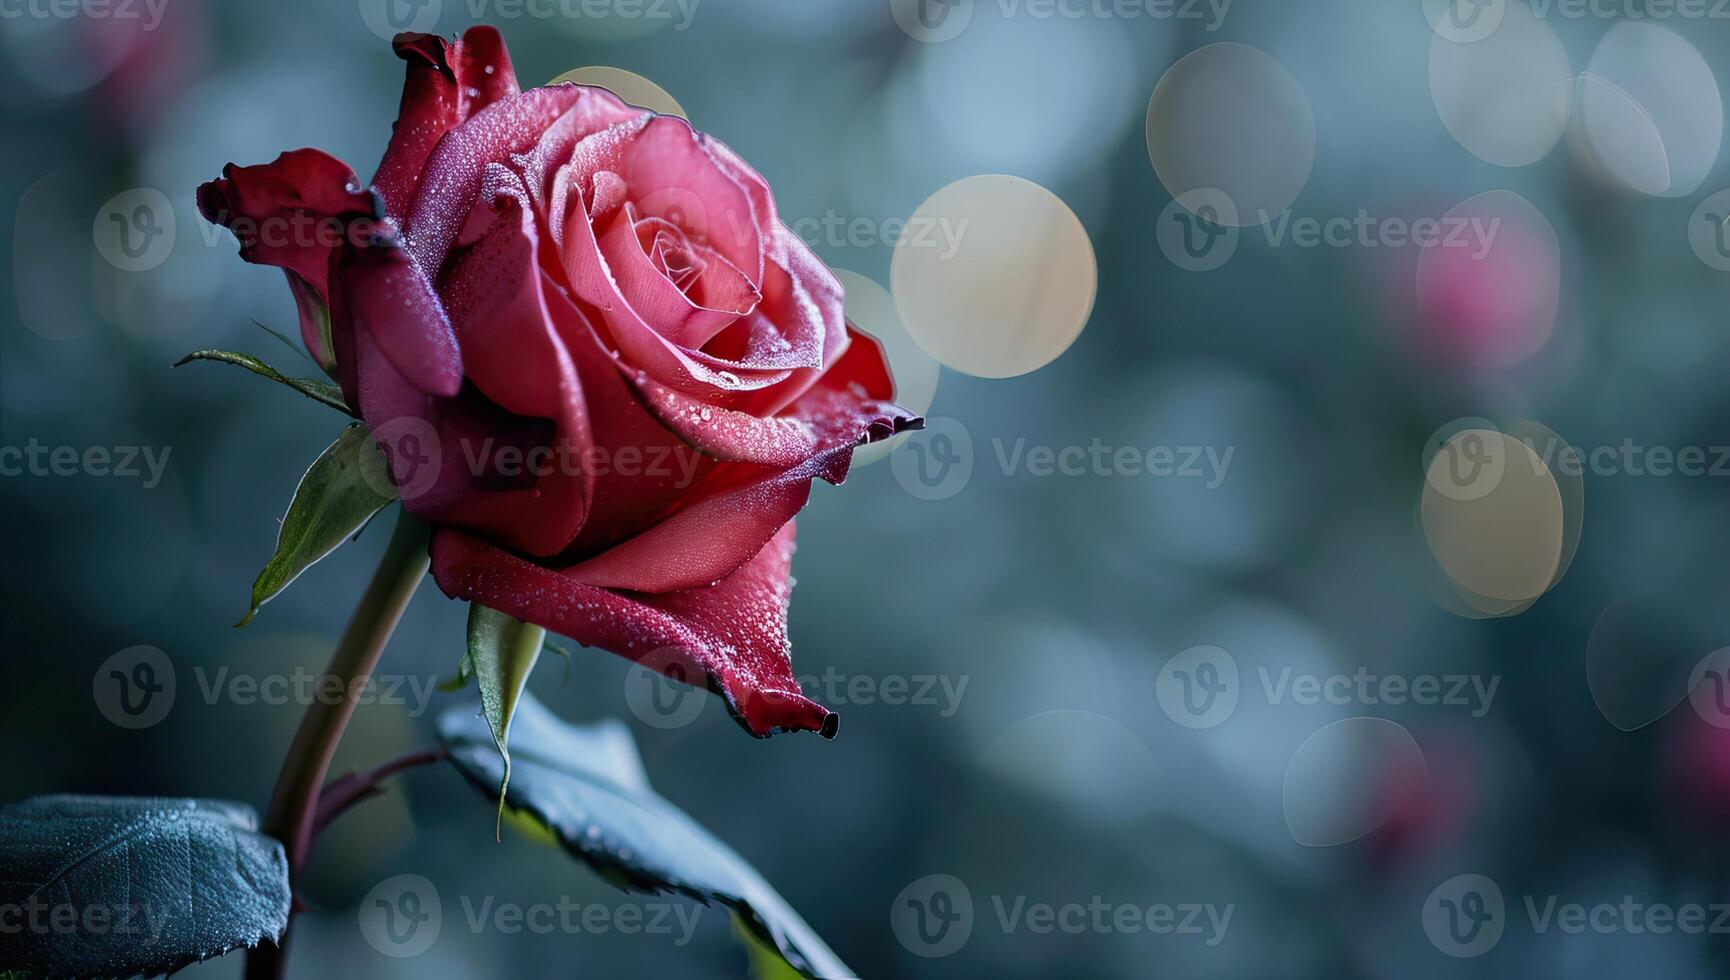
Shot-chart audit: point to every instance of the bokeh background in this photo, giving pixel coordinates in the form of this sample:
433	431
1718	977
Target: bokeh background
1011	653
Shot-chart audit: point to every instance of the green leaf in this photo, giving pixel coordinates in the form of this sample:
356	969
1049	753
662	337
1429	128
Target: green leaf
465	670
766	963
587	785
287	342
313	388
502	653
123	886
335	498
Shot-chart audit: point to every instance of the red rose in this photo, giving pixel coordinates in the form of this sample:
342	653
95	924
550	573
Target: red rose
598	363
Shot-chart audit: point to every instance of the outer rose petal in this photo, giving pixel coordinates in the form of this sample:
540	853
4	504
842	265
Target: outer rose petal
733	632
291	213
725	520
388	296
447	83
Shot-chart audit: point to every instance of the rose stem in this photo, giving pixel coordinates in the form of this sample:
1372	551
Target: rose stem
294	804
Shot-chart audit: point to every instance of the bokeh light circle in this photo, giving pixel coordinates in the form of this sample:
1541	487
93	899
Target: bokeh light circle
1335	787
1647	653
1506	542
1232	118
1015	291
1505	97
627	85
1651	117
1489	301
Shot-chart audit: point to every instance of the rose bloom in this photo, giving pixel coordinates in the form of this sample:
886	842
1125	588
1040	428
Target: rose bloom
555	277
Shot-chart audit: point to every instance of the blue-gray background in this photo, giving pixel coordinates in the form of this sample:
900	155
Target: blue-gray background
1056	777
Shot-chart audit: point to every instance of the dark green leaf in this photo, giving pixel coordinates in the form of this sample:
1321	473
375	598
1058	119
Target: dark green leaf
338	494
123	886
502	653
587	785
313	388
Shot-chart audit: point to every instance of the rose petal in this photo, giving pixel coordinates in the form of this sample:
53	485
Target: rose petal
725	519
642	469
451	182
801	308
446	83
514	356
635	338
671	174
734	632
677	316
595	111
388	297
822	419
292	213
